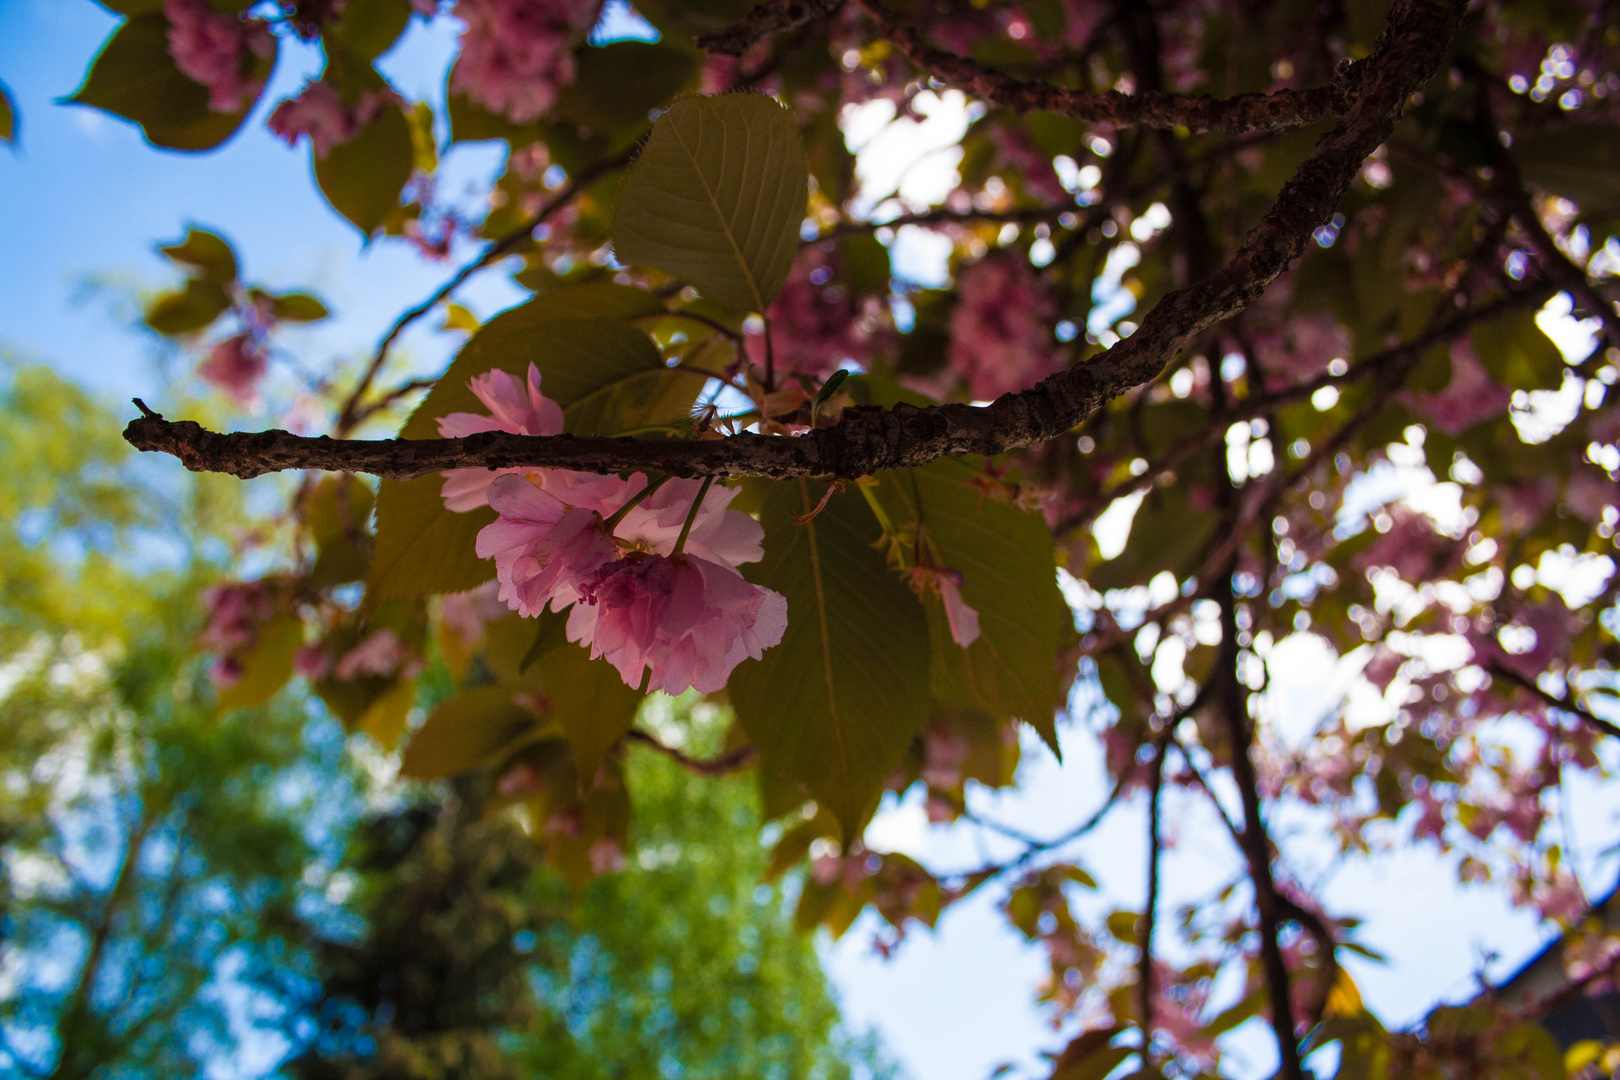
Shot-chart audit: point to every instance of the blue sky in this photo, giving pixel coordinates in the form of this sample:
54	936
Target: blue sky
83	201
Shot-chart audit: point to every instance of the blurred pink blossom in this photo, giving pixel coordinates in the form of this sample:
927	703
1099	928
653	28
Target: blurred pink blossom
312	661
944	752
219	50
606	856
320	113
380	654
235	609
235	367
1558	896
999	338
817	324
516	55
1471	395
1412	547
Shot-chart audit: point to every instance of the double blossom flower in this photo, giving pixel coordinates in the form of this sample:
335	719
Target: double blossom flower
650	575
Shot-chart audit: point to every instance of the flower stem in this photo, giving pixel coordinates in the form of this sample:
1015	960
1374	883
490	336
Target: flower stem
697	503
631	503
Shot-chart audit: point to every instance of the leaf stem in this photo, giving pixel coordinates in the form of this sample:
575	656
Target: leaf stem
770	356
691	516
632	502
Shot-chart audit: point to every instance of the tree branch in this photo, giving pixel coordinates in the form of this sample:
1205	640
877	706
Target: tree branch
1255	842
771	17
1245	112
1144	974
1562	704
867	439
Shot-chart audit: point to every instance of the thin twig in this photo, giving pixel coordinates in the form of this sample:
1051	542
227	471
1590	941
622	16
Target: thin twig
724	765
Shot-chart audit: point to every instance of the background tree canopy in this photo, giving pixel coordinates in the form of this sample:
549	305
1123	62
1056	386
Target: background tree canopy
1231	328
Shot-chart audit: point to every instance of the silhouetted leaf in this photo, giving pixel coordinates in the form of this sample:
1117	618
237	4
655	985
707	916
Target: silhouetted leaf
838	701
717	198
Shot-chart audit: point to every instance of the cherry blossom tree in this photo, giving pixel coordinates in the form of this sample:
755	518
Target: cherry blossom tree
1218	269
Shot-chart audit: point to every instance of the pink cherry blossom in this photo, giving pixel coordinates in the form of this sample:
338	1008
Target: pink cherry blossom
947	582
1557	896
236	609
690	621
219	50
312	661
518	406
1412	547
380	654
1431	818
1034	165
817	324
1590	495
718	534
1471	395
944	753
516	55
467	613
320	113
544	549
999	338
606	856
235	367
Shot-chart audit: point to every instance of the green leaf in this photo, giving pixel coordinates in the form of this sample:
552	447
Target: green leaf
464	733
268	666
363	177
365	29
194	307
471	122
618	84
1009	575
422	547
8	117
1577	161
836	704
135	77
207	252
589	701
298	307
339	510
1517	354
717	198
385	718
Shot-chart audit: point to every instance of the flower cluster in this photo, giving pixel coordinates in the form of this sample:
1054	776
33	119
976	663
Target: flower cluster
321	114
220	51
516	54
649	570
999	336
